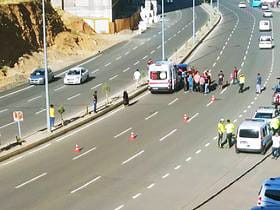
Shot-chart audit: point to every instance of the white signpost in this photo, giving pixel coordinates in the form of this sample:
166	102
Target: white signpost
18	117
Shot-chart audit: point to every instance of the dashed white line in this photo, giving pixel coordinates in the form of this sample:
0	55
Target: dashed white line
154	35
206	145
188	159
177	167
39	149
167	135
126	53
119	207
83	154
214	64
145	57
198	151
221	52
108	64
40	111
169	38
74	96
85	185
211	102
96	86
245	111
223	90
244	58
11	161
94	71
59	88
118	58
172	102
151	186
252	102
4	110
125	70
134	48
134	156
136	63
234	121
33	99
114	77
165	175
137	195
152	52
121	133
194	116
150	116
218	58
31	180
240	115
158	46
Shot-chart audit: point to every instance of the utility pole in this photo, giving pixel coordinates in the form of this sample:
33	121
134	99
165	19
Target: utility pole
193	22
162	30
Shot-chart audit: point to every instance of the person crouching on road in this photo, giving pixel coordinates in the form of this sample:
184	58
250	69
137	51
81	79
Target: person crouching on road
275	146
125	98
229	131
221	130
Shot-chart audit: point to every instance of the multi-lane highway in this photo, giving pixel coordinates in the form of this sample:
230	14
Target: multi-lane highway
170	164
114	66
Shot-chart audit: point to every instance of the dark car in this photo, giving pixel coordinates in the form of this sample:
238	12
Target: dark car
37	77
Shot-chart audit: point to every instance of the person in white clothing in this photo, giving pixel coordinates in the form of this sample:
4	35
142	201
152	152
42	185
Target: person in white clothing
276	145
137	76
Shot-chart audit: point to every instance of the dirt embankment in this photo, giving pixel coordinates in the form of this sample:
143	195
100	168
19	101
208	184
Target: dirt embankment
69	40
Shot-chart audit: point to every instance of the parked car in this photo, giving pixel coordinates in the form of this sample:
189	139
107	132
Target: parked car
269	194
267	13
265	208
37	77
76	75
266	113
242	4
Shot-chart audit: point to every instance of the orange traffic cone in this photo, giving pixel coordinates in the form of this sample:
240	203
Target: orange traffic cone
77	148
132	136
213	98
185	118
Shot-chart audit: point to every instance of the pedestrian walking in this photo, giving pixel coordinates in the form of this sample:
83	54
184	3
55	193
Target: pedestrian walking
229	132
275	146
241	83
235	74
94	101
221	77
190	82
125	98
258	83
221	130
52	116
137	76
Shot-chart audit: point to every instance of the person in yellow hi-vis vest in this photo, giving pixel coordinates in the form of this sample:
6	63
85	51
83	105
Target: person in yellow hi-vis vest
241	83
221	130
229	132
275	125
52	116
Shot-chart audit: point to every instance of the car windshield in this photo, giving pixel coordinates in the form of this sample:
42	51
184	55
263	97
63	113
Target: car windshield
262	115
38	73
265	39
248	133
73	72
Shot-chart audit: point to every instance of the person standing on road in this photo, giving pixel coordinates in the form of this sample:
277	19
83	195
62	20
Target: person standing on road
229	131
190	81
221	130
52	116
125	98
258	83
185	81
235	74
241	83
201	83
275	146
221	77
137	76
94	101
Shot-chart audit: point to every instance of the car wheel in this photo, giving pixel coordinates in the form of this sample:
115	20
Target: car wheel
236	150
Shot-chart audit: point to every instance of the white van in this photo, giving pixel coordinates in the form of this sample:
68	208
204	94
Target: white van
264	25
253	136
163	76
265	42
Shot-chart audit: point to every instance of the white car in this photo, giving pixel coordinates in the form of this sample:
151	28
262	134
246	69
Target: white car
264	25
266	113
267	13
265	7
265	42
76	75
242	5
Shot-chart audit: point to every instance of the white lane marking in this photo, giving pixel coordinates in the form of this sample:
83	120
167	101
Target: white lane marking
170	133
223	90
118	58
74	96
159	32
134	48
3	126
224	47
242	64
33	99
83	154
145	57
245	111
96	86
94	71
215	137
211	102
245	57
151	186
39	149
221	52
59	88
177	167
121	133
152	52
206	145
226	43
240	115
137	195
198	151
134	156
169	38
154	35
126	69
85	185
256	98
149	39
40	111
218	58
4	110
172	102
158	46
165	175
126	53
119	207
31	180
136	63
234	121
214	64
150	116
188	159
11	161
18	91
108	64
114	77
196	114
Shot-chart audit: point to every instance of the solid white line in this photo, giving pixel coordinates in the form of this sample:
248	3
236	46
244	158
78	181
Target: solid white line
31	180
134	48
188	159
150	186
118	58
96	70
59	88
137	195
107	64
32	99
18	91
11	161
40	148
145	57
198	151
85	185
113	77
131	158
4	110
136	63
151	115
209	103
152	52
96	86
170	133
177	167
121	133
40	111
196	114
126	69
119	207
172	102
165	175
223	90
81	155
206	145
74	96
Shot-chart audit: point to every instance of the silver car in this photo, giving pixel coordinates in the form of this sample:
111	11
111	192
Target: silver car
269	194
37	77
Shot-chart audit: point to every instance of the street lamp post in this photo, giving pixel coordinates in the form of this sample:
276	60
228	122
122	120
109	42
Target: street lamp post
46	68
162	30
218	5
211	3
193	22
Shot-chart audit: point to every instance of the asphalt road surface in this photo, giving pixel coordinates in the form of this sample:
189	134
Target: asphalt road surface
171	165
114	66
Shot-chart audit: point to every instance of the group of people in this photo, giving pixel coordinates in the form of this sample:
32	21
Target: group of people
225	133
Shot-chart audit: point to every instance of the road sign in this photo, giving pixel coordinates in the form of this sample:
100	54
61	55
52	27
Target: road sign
18	116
